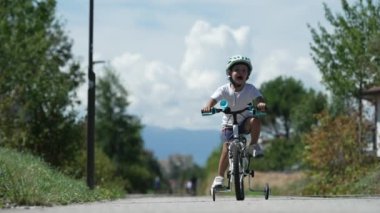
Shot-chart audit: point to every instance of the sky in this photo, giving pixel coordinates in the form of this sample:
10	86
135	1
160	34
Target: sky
170	54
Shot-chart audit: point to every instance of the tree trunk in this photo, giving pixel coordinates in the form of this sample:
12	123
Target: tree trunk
360	114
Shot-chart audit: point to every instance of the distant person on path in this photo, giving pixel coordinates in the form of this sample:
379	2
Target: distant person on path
157	184
194	185
188	187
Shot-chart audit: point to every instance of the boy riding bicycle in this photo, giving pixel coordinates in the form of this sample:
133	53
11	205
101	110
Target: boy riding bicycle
239	94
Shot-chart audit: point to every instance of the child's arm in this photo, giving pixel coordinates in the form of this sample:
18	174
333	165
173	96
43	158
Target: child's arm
211	103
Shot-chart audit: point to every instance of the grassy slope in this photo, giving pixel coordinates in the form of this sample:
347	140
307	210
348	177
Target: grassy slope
27	180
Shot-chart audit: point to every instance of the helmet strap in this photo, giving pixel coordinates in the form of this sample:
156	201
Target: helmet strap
232	81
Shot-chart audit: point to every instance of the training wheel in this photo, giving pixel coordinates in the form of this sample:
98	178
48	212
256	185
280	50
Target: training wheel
266	191
252	173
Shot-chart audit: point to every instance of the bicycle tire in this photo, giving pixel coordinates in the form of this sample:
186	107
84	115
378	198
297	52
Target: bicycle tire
238	179
213	194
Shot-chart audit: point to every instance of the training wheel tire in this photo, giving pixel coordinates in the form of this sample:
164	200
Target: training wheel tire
252	173
266	191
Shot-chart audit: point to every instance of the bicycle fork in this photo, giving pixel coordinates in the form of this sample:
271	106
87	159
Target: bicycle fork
243	159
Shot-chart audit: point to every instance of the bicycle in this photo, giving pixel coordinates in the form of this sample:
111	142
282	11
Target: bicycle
239	159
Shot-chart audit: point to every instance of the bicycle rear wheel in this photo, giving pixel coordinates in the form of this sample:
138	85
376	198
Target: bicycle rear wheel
238	176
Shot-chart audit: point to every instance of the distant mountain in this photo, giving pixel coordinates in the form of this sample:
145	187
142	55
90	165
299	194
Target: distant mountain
164	142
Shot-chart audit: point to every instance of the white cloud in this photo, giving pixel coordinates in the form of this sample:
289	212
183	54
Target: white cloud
284	63
306	70
276	64
164	95
171	55
207	49
171	97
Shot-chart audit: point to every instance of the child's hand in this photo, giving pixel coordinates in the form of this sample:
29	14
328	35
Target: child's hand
209	105
262	106
206	109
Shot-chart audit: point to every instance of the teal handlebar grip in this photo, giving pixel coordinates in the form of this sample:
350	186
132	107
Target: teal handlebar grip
213	111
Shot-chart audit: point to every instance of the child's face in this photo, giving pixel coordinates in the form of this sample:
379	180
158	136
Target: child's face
239	73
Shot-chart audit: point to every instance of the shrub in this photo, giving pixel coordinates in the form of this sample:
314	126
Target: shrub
280	154
105	169
333	154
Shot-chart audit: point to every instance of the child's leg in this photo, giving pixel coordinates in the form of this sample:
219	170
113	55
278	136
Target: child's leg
223	164
223	161
253	126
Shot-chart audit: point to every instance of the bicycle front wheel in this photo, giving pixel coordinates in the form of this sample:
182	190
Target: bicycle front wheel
237	174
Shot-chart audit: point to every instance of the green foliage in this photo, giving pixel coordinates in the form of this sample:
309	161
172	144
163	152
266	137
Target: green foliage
333	154
281	154
37	82
27	180
303	115
139	175
282	95
343	56
333	151
105	169
117	132
211	170
368	183
347	56
374	51
119	135
213	159
291	106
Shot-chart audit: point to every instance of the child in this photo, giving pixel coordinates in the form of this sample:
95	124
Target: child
239	94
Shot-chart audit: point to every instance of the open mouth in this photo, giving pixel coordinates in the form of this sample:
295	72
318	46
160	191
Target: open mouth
240	78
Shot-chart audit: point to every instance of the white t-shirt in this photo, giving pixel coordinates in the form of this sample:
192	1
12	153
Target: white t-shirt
236	100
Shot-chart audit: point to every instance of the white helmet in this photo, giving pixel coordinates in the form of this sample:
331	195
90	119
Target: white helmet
238	59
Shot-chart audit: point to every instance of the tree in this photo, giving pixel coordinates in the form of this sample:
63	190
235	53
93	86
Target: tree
37	82
281	95
281	154
290	105
343	56
303	115
374	51
119	134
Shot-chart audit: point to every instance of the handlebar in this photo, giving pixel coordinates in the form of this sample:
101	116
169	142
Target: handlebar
227	110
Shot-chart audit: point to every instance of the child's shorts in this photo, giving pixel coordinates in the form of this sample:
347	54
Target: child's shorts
227	133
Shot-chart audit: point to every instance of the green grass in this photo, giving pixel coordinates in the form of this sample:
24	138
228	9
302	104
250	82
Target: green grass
27	180
368	184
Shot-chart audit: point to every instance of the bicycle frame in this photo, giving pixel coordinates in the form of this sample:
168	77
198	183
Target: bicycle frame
238	169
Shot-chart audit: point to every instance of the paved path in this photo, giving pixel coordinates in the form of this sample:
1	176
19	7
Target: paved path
159	204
